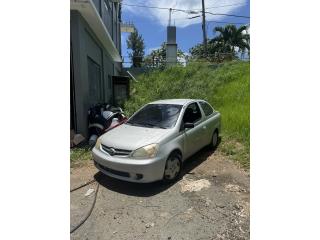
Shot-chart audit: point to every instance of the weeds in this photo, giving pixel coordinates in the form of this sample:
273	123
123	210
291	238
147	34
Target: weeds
80	155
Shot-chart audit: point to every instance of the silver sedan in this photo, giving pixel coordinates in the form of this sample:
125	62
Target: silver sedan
153	144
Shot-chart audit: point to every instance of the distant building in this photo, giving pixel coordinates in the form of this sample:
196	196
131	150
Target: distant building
171	46
95	36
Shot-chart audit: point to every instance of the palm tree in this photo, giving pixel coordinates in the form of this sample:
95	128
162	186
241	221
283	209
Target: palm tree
231	37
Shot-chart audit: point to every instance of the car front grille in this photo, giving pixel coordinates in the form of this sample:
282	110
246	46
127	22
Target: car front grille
115	151
115	172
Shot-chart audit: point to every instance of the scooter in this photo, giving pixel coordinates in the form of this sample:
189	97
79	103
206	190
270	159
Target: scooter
103	118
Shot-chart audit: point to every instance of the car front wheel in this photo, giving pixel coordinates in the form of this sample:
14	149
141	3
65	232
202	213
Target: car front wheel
214	140
173	167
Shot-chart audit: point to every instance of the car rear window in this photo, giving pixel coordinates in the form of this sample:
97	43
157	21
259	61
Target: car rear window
206	108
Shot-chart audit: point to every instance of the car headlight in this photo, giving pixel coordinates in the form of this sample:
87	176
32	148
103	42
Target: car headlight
148	151
98	142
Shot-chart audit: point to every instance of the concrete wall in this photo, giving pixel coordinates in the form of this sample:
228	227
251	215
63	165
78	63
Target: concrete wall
86	49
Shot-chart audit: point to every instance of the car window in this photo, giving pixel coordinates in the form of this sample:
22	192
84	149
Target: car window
206	108
156	115
192	113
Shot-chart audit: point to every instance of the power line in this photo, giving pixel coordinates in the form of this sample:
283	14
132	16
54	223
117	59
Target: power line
228	22
161	8
192	11
221	6
235	23
186	10
228	15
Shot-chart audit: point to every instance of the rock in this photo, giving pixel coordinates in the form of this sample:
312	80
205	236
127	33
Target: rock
220	206
193	185
234	188
71	134
78	138
148	225
237	206
207	203
189	210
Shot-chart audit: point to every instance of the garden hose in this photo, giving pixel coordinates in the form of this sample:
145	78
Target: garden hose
83	185
90	211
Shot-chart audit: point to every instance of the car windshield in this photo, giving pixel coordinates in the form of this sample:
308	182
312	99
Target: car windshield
156	116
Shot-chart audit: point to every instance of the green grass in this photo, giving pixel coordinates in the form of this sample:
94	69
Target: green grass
225	86
80	156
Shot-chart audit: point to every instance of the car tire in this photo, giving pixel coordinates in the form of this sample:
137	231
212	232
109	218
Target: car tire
214	140
173	168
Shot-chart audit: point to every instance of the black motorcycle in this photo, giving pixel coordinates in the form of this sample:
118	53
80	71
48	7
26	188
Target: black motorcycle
103	117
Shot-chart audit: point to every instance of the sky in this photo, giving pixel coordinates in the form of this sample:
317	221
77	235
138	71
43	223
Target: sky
151	23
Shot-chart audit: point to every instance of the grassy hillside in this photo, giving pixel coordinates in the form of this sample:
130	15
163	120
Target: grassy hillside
226	87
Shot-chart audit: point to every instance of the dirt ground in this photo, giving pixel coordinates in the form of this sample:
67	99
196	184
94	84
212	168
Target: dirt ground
210	201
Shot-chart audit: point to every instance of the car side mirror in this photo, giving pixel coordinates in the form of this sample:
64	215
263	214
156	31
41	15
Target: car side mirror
188	125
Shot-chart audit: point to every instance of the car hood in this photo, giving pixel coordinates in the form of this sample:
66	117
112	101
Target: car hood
129	137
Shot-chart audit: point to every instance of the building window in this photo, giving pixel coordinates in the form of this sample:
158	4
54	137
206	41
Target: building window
94	78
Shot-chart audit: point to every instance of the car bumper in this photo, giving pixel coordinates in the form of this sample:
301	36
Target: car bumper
127	169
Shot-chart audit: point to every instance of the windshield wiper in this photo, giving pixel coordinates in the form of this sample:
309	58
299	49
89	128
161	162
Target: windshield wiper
134	124
152	125
145	124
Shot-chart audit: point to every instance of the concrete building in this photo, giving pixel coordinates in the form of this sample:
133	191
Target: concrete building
171	46
95	36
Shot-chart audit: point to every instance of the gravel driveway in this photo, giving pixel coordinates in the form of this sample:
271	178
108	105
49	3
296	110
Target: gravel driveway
210	201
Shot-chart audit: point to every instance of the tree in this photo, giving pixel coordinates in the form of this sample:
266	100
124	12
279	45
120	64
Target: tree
157	57
224	46
215	52
135	42
232	37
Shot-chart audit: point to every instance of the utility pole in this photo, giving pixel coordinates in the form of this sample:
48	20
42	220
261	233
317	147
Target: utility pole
204	27
170	11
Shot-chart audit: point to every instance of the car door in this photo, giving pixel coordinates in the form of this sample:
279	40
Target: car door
211	121
193	137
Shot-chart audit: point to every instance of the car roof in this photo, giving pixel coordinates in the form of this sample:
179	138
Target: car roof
175	101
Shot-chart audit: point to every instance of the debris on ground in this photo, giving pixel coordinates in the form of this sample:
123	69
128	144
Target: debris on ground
76	139
89	192
234	188
148	225
189	210
208	202
193	185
